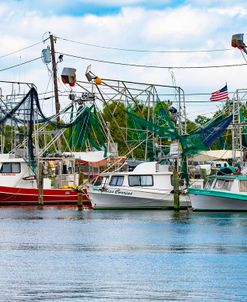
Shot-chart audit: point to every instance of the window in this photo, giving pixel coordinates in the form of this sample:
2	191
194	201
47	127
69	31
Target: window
140	180
134	180
116	180
105	180
223	184
6	168
243	186
98	181
16	168
208	183
10	168
146	180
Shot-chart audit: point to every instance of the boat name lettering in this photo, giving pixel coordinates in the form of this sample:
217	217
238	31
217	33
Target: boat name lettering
8	174
119	192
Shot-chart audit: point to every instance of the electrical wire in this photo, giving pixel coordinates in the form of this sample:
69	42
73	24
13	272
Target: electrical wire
17	65
145	50
151	66
19	50
243	56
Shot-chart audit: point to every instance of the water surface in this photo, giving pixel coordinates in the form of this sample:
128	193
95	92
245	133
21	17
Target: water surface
61	254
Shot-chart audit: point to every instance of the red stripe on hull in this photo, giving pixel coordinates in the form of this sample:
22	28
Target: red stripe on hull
10	195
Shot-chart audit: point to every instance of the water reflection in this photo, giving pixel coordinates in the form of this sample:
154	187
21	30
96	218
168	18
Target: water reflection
63	254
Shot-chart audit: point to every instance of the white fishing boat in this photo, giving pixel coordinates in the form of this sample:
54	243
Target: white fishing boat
148	186
222	192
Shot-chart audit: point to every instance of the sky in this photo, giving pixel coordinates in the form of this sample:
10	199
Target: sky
167	34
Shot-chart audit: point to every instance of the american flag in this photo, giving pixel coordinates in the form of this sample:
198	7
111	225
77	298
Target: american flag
219	95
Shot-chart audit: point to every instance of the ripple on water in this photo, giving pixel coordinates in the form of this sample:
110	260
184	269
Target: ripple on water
66	255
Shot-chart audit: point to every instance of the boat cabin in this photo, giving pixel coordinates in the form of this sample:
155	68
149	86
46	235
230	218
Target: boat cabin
146	174
15	172
227	183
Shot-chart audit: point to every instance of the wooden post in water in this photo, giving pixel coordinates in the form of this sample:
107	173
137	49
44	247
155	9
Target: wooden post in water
176	201
40	184
80	193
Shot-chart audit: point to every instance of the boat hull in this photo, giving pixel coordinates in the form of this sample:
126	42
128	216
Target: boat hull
127	199
30	196
202	200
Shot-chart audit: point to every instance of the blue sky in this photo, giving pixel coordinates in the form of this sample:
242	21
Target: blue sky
131	24
96	7
108	7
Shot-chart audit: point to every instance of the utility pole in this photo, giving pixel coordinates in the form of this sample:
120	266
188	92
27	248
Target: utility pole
54	70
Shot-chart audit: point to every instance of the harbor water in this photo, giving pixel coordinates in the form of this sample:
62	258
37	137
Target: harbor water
62	254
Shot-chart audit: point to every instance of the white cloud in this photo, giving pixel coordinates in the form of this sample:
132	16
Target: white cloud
4	9
231	11
181	28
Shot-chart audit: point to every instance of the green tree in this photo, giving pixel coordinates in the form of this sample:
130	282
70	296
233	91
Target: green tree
114	114
201	120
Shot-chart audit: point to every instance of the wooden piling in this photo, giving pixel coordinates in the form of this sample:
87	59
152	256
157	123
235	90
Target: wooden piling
40	184
176	201
80	193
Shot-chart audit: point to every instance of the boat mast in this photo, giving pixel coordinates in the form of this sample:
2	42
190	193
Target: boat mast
237	128
237	42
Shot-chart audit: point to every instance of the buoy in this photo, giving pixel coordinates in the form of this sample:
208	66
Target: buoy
98	81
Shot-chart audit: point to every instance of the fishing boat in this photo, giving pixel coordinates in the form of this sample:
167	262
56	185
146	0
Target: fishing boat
28	196
34	169
148	186
19	185
225	191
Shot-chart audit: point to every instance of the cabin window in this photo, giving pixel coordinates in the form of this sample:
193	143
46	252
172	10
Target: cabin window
116	180
208	183
10	168
147	180
140	180
243	186
105	180
223	184
98	181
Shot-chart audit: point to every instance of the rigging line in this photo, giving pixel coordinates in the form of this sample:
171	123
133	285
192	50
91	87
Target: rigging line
146	50
19	50
17	65
151	66
243	56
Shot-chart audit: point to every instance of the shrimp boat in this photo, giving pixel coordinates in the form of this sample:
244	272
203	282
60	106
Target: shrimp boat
227	189
22	179
150	185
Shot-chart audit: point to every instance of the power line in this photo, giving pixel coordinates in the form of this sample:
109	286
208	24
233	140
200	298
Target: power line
152	66
19	50
145	50
17	65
